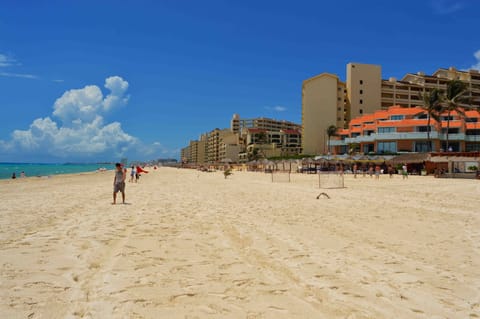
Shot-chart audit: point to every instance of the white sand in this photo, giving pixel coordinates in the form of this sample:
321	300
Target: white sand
194	245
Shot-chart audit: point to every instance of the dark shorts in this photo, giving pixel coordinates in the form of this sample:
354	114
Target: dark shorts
119	187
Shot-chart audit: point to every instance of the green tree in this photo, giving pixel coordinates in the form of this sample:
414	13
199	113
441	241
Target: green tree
331	131
455	99
432	106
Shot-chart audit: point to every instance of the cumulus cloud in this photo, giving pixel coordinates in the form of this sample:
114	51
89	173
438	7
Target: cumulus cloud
77	129
476	66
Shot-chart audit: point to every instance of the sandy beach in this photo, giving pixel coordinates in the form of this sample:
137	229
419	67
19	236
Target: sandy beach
196	245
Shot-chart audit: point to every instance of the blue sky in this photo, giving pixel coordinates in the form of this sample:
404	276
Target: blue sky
98	80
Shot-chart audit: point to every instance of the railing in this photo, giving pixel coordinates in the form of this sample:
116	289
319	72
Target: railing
405	136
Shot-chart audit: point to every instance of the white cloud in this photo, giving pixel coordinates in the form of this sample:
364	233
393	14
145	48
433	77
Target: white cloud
18	75
118	87
443	7
80	132
476	66
277	108
79	105
6	60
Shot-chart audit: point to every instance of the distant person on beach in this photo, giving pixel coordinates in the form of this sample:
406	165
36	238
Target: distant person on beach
404	171
377	171
355	169
390	170
22	174
14	175
370	171
132	174
119	182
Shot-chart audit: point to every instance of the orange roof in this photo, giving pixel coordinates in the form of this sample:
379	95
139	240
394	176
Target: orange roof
473	126
369	127
399	110
453	124
343	131
380	115
368	118
472	113
256	130
407	122
356	130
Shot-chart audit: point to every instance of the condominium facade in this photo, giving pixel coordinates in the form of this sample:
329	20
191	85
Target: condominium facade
238	124
407	91
324	103
401	129
365	92
282	138
363	88
215	139
270	143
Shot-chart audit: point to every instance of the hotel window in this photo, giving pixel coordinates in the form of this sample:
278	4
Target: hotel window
360	111
423	129
361	101
361	81
397	117
387	147
381	130
361	91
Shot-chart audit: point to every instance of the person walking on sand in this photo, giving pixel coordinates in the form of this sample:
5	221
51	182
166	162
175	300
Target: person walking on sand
132	174
119	183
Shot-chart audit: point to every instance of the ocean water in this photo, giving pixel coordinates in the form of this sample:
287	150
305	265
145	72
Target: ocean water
6	169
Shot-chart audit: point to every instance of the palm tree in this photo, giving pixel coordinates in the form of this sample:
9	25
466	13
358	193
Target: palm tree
432	105
454	100
331	131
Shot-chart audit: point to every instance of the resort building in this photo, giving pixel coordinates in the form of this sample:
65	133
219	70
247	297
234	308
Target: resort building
400	129
215	139
326	100
407	92
198	150
238	124
260	143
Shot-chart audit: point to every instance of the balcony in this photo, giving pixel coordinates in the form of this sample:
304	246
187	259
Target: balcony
338	142
472	138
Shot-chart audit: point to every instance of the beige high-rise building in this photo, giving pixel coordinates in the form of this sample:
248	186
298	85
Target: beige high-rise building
408	90
238	124
215	139
324	103
364	82
198	151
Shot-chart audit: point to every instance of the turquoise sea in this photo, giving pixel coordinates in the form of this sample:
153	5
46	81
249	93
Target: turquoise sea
31	169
